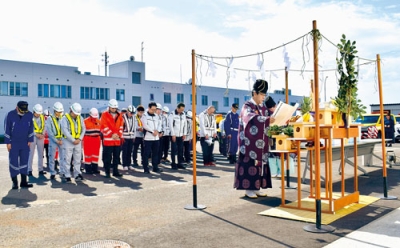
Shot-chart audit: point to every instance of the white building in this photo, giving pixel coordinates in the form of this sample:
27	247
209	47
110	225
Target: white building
47	84
394	108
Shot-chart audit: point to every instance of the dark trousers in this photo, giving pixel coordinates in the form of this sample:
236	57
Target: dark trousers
165	146
160	148
46	150
18	158
177	149
222	144
150	147
138	142
207	151
187	147
111	158
127	152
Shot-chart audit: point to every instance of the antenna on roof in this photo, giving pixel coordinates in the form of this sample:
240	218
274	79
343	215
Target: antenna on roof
105	62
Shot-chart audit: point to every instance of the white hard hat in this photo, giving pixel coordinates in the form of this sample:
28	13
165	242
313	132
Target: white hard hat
76	108
189	114
131	109
46	112
159	106
38	109
166	109
93	112
113	103
58	107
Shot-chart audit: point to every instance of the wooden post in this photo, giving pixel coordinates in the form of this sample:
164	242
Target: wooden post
194	125
317	228
385	196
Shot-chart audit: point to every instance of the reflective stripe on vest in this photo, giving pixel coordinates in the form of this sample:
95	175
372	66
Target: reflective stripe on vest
57	127
36	127
139	121
74	134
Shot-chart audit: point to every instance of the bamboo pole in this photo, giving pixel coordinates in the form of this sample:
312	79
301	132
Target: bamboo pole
317	131
318	228
194	141
385	195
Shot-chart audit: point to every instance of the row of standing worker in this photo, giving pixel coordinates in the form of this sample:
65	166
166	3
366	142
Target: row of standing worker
63	137
145	128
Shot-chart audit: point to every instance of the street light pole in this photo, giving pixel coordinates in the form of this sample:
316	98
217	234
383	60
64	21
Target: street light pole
325	89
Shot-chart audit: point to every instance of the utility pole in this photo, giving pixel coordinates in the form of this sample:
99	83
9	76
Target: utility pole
325	87
142	50
105	62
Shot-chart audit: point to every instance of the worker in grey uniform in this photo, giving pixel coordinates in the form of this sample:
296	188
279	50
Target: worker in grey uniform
73	129
55	137
38	139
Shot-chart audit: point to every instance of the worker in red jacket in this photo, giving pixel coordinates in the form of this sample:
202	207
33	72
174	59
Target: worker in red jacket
111	126
92	142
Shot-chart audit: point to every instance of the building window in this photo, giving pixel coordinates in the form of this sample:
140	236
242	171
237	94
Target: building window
136	100
179	98
92	93
226	101
191	100
204	100
236	100
215	104
167	97
135	77
65	91
246	98
4	88
17	89
85	92
151	97
55	91
24	89
120	95
13	88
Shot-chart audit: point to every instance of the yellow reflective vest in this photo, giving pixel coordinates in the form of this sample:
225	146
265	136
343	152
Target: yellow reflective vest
74	133
38	129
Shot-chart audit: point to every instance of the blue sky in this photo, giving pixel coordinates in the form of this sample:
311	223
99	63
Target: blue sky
77	32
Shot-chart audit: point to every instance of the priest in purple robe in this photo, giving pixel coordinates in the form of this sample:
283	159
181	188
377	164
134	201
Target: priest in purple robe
252	171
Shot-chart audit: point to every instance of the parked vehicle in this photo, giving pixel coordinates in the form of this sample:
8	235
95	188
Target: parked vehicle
373	120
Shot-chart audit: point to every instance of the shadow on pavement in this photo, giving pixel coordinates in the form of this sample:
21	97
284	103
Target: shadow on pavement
19	198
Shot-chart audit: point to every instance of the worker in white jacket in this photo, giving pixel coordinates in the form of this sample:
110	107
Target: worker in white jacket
187	142
152	126
208	133
178	124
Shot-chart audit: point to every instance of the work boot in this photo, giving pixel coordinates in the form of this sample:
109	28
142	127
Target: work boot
95	168
234	158
88	169
116	172
15	182
56	164
24	182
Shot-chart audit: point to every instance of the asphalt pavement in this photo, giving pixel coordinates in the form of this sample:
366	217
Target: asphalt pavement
152	210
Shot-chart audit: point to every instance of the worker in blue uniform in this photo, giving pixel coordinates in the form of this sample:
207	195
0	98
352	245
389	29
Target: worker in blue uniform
231	127
18	126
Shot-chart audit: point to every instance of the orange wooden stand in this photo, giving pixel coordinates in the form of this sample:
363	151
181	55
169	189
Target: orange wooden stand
328	132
